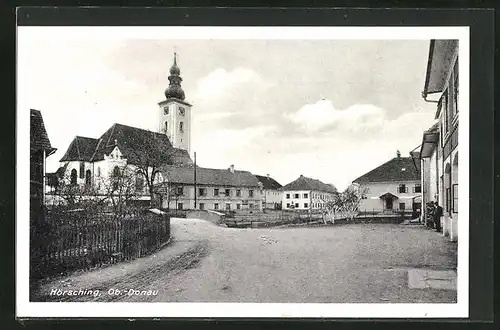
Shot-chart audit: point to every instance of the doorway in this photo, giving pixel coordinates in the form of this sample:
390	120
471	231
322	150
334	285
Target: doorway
388	203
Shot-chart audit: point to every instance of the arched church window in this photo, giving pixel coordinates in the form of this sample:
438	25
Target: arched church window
116	174
181	127
139	182
73	176
88	177
98	171
166	127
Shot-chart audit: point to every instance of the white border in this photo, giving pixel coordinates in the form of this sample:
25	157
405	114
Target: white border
24	308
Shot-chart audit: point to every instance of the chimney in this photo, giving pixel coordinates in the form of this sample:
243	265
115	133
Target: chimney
231	168
398	154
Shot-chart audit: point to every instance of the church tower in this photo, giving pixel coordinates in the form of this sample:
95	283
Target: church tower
175	113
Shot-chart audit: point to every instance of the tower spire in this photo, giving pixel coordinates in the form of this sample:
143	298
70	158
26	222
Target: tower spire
174	89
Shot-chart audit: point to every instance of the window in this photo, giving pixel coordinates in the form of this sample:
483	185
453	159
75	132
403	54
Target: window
181	127
98	171
287	205
287	196
238	193
228	192
296	196
116	175
166	127
306	205
306	195
250	193
216	192
165	111
88	177
216	206
82	170
402	206
296	205
139	182
455	198
228	206
202	206
250	206
73	176
202	191
180	206
402	188
180	191
238	206
417	188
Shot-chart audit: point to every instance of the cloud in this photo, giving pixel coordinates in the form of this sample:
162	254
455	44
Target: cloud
219	83
323	115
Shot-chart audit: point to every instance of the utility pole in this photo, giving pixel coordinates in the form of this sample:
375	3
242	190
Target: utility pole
195	180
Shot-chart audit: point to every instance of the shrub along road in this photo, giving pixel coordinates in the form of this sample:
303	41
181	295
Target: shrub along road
336	264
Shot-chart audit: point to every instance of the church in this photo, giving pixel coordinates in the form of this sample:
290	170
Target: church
160	160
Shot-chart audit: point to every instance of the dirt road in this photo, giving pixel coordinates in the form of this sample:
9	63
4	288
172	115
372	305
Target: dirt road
337	264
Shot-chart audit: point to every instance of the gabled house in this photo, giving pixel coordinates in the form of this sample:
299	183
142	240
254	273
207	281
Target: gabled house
40	149
392	186
272	196
439	150
307	194
214	189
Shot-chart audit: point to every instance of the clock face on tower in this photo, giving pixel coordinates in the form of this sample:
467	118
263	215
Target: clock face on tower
165	111
182	111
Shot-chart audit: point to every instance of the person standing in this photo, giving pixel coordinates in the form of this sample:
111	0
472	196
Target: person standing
430	215
438	213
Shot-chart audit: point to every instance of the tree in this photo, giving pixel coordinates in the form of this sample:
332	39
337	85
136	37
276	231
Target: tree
119	188
154	153
344	205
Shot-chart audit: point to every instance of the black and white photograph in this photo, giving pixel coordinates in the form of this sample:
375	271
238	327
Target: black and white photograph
243	171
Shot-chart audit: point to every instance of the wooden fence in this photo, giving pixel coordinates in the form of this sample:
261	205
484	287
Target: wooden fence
66	241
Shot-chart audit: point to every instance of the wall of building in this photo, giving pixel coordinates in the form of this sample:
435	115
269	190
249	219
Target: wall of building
306	199
296	199
213	202
173	118
372	202
271	198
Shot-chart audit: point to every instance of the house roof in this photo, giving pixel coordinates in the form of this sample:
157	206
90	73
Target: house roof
305	183
396	169
134	143
39	138
441	55
430	139
81	148
209	176
268	182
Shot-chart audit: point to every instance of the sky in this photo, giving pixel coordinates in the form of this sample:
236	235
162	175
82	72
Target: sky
327	109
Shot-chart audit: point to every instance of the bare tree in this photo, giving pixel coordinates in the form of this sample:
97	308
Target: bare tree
119	188
344	205
154	153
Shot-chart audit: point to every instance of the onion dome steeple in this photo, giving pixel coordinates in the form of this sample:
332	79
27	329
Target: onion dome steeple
174	89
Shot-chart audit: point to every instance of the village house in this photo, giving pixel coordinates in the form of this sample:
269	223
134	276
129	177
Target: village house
307	194
40	149
439	149
272	196
393	186
216	189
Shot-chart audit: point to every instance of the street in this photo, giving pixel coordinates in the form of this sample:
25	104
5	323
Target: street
336	264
